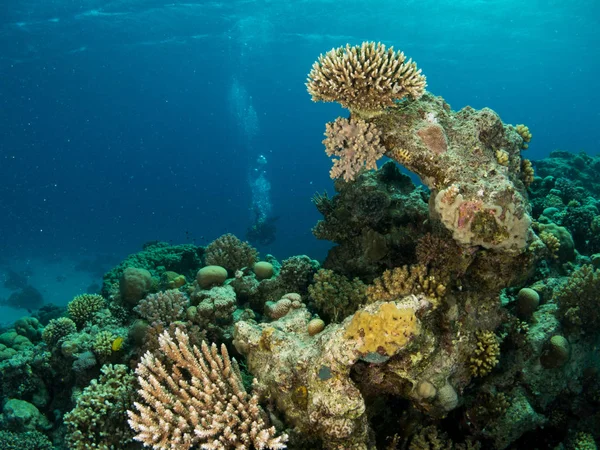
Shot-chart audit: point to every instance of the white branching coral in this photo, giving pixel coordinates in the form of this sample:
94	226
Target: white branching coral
364	78
356	143
194	397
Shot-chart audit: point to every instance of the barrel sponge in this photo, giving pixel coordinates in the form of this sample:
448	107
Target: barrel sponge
356	143
364	78
386	330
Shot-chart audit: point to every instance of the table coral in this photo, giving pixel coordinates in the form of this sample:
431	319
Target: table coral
364	78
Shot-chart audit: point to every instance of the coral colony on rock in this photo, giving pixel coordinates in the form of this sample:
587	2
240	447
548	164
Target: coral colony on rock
463	314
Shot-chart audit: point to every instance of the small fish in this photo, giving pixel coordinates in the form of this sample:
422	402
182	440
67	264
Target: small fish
117	344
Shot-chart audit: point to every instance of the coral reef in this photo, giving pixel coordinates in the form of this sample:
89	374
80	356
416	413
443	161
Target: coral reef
462	314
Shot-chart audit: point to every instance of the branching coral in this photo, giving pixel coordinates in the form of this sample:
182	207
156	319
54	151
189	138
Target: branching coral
406	280
364	78
229	252
578	301
524	132
163	307
356	143
195	397
527	173
485	356
83	307
57	330
551	242
103	344
336	296
98	419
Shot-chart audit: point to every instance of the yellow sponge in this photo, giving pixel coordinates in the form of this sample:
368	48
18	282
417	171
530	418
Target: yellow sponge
385	331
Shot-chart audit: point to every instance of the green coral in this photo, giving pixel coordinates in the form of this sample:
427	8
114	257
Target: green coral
103	344
83	307
578	301
30	440
58	329
230	252
158	258
336	296
99	419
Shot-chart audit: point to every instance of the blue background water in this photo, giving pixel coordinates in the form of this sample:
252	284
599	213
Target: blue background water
128	121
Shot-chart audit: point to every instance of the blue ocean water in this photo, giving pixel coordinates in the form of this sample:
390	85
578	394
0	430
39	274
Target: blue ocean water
123	122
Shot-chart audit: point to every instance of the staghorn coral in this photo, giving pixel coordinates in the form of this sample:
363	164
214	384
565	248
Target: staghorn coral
83	307
485	356
229	252
406	280
357	145
98	419
194	396
336	296
364	78
163	307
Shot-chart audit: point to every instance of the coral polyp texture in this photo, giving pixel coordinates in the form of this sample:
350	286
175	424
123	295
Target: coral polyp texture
355	143
364	78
